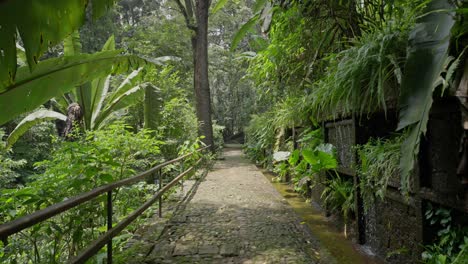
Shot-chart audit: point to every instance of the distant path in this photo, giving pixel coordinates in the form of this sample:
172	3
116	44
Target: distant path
235	216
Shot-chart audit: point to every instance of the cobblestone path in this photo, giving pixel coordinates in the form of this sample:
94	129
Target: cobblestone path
235	216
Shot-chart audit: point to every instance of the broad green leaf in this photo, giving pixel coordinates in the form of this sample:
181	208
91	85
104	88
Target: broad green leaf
243	31
57	76
326	161
219	5
40	24
309	156
31	120
428	48
130	81
294	158
130	97
72	44
100	88
88	93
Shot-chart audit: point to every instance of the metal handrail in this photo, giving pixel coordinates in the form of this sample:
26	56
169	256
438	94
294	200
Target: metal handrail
26	221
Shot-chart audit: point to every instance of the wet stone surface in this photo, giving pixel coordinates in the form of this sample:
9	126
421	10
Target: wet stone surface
234	216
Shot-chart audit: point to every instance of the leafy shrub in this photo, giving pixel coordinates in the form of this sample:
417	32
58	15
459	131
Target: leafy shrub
260	138
8	166
338	196
379	162
364	76
178	124
98	158
312	158
451	242
218	135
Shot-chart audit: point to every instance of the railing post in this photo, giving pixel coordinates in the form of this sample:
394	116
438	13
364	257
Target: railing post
109	226
160	198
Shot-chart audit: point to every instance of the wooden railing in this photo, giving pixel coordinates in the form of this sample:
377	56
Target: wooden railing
26	221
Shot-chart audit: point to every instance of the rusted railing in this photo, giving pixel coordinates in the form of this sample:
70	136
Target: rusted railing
26	221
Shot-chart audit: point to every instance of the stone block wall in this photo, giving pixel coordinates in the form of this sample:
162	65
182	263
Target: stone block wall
395	228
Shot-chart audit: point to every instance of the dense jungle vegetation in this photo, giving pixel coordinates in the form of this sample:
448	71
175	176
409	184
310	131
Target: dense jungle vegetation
95	91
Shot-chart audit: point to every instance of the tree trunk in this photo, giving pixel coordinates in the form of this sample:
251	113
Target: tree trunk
200	78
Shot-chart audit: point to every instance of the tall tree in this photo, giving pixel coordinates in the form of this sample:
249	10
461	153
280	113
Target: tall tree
197	21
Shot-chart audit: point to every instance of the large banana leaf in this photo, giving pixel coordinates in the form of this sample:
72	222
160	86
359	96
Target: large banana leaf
130	81
31	120
57	76
40	24
88	94
428	50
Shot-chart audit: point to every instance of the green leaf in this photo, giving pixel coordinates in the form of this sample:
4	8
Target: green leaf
259	5
243	31
57	76
100	88
72	44
31	120
326	161
219	5
130	82
309	156
40	24
428	46
130	97
294	158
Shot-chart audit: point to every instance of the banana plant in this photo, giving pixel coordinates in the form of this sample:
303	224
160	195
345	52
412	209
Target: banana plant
427	57
97	101
40	24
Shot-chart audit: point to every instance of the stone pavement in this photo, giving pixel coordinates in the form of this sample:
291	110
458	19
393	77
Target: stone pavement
235	216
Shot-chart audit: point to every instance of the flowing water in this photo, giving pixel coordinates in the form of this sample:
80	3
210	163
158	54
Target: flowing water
341	249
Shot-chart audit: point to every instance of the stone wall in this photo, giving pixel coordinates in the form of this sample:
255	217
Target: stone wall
395	228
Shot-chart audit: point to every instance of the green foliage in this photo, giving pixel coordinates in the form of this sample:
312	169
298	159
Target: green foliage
312	159
40	24
451	243
35	145
338	196
218	135
32	120
178	124
429	42
379	159
361	78
99	101
57	76
219	5
8	166
320	159
260	138
98	158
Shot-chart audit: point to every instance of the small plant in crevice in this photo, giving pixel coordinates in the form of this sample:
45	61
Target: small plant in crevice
379	160
450	244
338	197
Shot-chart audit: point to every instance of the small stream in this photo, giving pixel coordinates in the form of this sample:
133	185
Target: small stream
331	239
